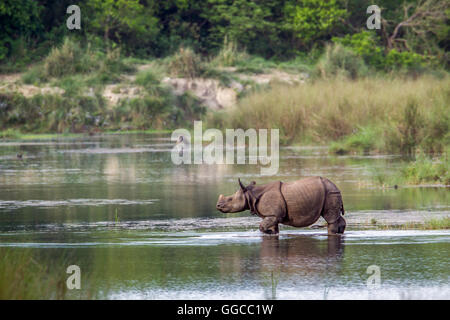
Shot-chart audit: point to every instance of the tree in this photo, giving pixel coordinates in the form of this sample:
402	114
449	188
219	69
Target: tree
19	18
421	19
255	25
310	20
116	18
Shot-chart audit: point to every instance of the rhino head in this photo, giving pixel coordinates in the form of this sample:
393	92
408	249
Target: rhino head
237	202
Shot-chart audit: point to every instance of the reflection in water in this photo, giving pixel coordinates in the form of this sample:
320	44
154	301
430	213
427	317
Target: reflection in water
149	229
300	255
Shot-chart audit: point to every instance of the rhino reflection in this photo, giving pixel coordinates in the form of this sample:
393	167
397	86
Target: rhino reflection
301	255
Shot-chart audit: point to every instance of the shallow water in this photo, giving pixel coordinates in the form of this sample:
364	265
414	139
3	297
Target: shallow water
117	207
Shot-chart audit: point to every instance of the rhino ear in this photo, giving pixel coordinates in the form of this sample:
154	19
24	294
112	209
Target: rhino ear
241	185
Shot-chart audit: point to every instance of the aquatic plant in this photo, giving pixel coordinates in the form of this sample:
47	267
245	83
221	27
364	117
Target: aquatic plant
25	276
425	169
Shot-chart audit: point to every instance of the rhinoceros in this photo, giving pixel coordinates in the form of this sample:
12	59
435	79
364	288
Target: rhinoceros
297	203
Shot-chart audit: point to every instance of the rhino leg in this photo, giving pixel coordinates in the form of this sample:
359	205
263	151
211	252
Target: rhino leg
269	225
332	213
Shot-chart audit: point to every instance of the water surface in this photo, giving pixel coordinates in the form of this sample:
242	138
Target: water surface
116	206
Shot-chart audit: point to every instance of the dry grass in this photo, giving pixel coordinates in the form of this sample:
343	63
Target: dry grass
323	111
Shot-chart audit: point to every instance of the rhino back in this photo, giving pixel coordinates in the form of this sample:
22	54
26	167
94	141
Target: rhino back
304	200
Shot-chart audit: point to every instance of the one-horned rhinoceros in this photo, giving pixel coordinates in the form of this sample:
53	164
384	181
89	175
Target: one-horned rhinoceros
298	203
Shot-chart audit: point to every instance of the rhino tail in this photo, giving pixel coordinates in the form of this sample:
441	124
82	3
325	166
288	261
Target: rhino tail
342	208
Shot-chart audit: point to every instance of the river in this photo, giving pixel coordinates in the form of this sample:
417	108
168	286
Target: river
144	228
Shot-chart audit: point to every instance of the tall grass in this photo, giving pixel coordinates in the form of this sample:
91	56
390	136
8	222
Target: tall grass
51	112
402	114
10	134
69	58
185	63
424	170
72	58
229	55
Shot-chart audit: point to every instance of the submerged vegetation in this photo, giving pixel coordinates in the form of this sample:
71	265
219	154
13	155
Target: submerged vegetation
428	224
26	276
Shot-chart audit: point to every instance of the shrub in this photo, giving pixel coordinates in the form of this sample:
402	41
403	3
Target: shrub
229	55
363	140
114	64
405	59
428	170
34	76
10	134
340	61
63	60
185	63
147	78
364	44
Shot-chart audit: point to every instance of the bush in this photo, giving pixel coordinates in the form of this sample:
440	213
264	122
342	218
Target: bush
33	76
363	140
147	78
404	60
114	64
340	61
428	170
50	113
364	44
64	60
10	134
185	63
229	55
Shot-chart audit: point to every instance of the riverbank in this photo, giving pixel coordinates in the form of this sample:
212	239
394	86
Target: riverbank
77	91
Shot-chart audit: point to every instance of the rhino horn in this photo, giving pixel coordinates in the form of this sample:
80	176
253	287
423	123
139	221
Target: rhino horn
240	183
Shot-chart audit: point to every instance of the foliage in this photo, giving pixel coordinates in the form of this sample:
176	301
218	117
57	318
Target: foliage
404	59
122	20
229	55
19	18
247	23
185	63
340	61
365	45
312	19
279	29
362	140
65	60
10	134
425	170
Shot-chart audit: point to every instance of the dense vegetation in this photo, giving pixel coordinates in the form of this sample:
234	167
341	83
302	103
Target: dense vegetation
413	33
384	90
389	115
